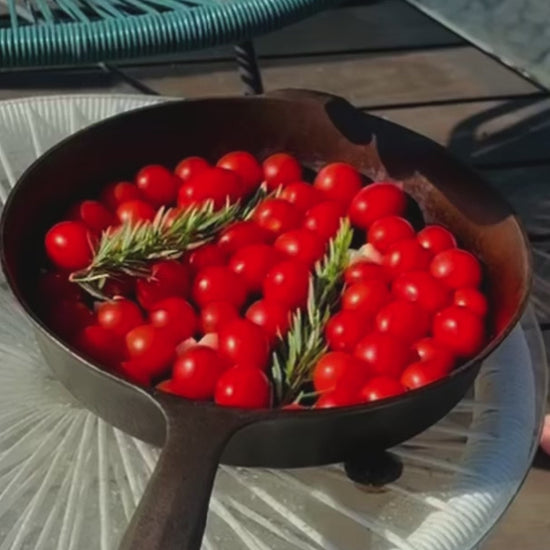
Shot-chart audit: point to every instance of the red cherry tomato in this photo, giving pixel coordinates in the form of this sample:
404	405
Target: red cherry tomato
376	201
243	387
119	316
252	263
421	374
215	315
366	298
135	211
101	345
364	271
244	343
339	182
273	317
93	214
168	278
420	287
246	166
190	166
287	282
151	349
158	185
387	231
176	317
206	255
345	328
456	268
280	169
240	234
471	299
214	184
302	195
436	239
428	349
68	245
301	244
459	330
54	286
337	398
196	373
218	283
121	286
405	320
381	387
69	317
166	386
333	367
114	194
324	218
384	353
405	256
277	216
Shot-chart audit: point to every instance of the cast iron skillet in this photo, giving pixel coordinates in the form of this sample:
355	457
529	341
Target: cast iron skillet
197	436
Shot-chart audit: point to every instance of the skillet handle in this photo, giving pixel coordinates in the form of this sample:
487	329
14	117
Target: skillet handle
173	510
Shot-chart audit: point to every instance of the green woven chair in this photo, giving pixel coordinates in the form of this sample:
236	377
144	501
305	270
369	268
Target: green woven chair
39	33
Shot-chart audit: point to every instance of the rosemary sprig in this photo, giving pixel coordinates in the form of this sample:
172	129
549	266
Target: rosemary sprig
297	353
131	248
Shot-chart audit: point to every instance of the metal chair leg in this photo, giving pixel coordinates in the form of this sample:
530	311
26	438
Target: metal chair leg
249	70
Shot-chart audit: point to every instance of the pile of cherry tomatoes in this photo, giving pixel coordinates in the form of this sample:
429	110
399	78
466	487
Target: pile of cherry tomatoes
204	326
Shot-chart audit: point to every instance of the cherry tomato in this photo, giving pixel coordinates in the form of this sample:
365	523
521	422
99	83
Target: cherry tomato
436	239
471	299
114	194
337	398
137	372
381	387
387	231
252	263
158	185
302	195
376	201
68	245
54	286
287	282
345	328
168	278
176	317
428	349
215	315
101	345
420	287
189	167
276	216
405	256
119	316
273	317
366	297
301	244
244	343
421	374
214	184
135	211
246	166
456	268
365	271
280	169
69	317
166	386
206	255
339	182
243	387
459	330
384	353
324	218
122	285
93	214
240	234
196	373
337	367
151	350
218	283
405	320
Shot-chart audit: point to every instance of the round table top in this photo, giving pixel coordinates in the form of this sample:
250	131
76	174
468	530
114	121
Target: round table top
70	481
64	32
